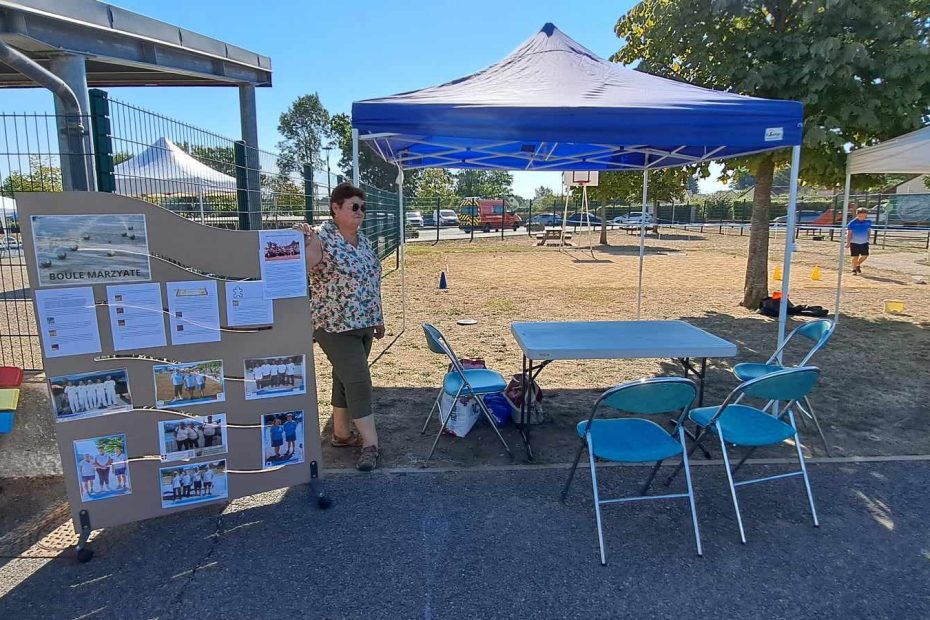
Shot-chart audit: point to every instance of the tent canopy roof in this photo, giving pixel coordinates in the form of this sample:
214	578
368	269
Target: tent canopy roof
164	168
552	104
908	154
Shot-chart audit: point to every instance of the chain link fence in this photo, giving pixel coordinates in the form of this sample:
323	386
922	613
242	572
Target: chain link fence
209	178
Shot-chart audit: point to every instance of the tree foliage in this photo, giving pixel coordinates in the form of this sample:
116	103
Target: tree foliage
305	125
665	185
484	183
42	176
860	67
436	183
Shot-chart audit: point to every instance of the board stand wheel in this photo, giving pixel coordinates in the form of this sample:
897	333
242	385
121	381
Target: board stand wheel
83	553
323	501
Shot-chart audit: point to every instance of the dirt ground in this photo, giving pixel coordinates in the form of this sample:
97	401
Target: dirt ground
872	398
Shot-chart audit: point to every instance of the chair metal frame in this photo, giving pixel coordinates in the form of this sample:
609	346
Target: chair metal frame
586	442
442	346
747	388
825	327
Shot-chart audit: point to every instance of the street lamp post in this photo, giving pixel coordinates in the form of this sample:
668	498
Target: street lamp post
329	189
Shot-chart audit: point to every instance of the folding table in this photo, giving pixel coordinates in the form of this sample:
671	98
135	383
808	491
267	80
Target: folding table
545	342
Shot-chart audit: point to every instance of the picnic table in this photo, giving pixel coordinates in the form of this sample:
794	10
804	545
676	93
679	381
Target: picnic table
545	342
553	236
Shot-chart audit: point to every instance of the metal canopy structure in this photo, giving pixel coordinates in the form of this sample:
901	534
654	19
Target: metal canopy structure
122	48
908	153
68	46
552	104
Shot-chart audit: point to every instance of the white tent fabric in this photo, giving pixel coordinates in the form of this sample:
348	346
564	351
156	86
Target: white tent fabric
7	206
164	168
907	154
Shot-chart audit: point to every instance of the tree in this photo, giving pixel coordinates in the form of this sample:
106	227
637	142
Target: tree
544	198
42	177
436	183
304	127
665	185
860	67
484	183
220	158
693	185
373	170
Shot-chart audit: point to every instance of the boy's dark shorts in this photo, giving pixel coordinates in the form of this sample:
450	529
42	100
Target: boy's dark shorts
859	249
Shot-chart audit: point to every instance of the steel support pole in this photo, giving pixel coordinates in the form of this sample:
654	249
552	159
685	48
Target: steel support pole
249	126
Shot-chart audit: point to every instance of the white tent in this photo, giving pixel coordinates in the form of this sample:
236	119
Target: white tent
7	213
164	169
907	154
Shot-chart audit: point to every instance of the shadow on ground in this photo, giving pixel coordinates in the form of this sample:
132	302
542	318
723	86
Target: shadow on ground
499	544
862	353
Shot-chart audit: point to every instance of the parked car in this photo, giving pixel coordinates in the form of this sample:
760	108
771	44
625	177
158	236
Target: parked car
446	217
488	215
634	218
429	221
10	244
414	218
546	219
583	218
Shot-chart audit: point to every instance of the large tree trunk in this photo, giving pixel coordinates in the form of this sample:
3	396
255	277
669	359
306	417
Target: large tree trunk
755	287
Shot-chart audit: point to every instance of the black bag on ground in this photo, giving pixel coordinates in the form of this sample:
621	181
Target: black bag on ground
770	307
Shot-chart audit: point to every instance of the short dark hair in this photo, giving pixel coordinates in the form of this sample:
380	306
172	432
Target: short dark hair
343	191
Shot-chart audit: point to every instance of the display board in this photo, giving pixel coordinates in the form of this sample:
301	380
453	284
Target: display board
178	376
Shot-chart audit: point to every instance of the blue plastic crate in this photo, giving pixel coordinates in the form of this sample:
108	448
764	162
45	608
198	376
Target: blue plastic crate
6	421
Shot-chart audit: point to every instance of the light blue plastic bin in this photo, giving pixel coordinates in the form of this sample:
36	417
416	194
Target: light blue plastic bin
6	421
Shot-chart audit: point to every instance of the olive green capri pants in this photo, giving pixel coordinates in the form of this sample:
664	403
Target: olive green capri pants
348	353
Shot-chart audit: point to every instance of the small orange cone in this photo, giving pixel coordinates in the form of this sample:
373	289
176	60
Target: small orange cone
776	274
815	274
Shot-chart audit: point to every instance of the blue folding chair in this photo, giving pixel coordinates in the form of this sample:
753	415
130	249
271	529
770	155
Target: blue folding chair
459	381
742	425
819	332
636	440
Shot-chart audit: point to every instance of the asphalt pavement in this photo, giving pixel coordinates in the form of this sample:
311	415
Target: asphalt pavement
499	544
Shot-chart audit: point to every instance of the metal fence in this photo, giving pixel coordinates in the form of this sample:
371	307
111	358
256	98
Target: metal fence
196	173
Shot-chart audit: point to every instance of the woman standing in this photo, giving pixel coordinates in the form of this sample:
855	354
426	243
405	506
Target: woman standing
345	291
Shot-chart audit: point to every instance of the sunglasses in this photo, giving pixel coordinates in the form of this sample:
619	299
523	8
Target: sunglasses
358	206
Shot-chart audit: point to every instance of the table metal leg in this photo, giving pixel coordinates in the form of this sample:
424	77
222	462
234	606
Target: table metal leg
699	373
525	382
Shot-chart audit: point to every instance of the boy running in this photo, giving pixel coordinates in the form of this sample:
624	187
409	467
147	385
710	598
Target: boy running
857	239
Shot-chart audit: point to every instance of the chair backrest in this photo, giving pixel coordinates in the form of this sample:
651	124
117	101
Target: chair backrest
789	384
649	396
819	331
437	343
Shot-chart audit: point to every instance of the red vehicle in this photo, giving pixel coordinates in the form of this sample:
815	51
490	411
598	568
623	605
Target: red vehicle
487	215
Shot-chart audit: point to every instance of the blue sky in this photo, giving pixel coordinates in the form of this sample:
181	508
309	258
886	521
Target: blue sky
352	50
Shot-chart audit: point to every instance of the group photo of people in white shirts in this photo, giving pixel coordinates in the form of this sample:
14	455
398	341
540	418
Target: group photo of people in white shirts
267	377
190	383
102	467
191	484
89	394
192	437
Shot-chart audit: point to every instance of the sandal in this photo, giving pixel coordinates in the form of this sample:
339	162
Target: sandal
352	441
368	459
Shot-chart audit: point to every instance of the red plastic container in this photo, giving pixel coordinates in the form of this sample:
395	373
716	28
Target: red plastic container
10	376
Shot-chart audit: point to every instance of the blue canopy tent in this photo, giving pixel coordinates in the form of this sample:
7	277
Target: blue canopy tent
554	105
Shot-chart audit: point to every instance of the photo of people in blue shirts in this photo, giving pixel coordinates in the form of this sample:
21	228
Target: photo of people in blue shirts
282	438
